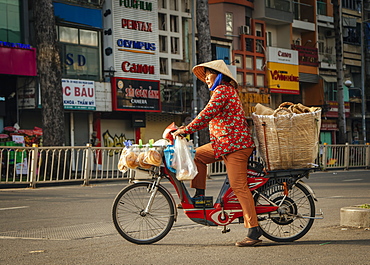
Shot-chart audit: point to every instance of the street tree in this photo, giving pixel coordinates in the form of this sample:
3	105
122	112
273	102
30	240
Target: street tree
49	73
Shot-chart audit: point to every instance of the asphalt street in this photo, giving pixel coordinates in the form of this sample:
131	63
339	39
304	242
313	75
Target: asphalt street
72	225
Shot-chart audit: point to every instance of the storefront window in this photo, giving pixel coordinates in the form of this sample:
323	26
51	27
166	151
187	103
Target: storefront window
10	27
80	53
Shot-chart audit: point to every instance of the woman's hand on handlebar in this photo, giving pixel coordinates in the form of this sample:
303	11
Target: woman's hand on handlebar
179	132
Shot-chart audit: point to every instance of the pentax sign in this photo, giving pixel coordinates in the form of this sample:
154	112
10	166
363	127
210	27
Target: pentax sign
78	94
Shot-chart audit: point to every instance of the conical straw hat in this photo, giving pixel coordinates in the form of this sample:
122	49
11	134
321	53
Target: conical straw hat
218	65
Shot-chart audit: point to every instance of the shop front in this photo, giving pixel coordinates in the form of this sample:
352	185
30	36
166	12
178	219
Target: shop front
329	124
18	72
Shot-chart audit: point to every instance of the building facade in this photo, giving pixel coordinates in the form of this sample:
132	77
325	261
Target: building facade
127	64
285	51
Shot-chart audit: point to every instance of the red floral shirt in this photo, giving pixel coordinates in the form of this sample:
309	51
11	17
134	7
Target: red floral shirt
228	126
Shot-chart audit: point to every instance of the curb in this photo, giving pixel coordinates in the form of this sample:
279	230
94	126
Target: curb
355	216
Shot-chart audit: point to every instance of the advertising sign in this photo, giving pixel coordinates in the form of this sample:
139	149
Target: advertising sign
285	56
27	97
135	39
283	78
283	71
333	110
307	55
78	94
17	59
136	95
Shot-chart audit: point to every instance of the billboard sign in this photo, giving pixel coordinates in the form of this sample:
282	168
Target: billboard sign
283	71
136	95
78	94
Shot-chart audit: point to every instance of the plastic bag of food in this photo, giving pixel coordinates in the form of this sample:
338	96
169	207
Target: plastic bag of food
183	160
122	166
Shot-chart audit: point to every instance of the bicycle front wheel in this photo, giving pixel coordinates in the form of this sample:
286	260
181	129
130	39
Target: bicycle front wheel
294	217
136	225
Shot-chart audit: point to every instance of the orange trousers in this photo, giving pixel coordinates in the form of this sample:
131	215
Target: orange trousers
236	166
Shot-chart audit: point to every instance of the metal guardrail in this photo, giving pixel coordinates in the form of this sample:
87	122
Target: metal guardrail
344	156
33	165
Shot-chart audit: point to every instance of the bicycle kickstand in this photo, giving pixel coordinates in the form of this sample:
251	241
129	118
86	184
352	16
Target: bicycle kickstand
225	230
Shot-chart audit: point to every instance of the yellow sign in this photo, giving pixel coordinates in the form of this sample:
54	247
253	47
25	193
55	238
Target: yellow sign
283	78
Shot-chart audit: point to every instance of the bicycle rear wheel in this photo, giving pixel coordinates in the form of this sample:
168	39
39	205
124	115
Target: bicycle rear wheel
133	223
291	221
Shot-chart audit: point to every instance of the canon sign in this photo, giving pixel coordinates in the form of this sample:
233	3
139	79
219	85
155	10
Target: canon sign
284	54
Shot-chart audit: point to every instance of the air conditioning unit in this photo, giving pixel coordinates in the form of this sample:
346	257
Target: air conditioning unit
329	34
245	30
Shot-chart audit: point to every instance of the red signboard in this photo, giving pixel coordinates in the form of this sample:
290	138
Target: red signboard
307	55
17	61
333	111
136	95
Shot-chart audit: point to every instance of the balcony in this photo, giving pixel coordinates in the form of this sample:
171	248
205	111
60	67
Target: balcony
274	11
303	17
327	57
282	5
303	12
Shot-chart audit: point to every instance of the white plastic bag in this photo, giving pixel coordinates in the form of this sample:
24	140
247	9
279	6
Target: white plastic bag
183	160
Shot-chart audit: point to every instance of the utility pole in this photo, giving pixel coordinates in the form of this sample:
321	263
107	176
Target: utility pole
337	14
194	60
363	73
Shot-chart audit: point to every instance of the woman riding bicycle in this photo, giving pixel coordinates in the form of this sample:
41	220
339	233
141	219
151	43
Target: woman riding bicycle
230	140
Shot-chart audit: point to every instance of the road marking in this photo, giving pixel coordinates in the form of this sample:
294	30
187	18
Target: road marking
13	208
352	179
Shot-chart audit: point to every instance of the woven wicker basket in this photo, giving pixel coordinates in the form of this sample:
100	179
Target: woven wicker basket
288	139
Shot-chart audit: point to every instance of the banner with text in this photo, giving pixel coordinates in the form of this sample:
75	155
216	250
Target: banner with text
78	94
136	95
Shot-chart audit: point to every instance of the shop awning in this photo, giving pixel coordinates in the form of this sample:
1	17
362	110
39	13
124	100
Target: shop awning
308	78
329	79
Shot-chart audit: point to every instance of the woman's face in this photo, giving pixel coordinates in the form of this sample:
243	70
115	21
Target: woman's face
210	78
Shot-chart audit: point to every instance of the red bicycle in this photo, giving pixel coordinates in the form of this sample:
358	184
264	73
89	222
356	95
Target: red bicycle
144	211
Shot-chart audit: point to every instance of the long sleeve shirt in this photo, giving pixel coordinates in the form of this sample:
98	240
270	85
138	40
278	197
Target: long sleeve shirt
225	116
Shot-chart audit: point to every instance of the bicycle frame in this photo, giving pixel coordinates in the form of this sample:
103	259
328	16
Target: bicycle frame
226	207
